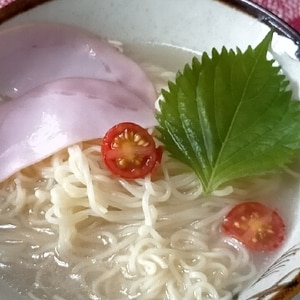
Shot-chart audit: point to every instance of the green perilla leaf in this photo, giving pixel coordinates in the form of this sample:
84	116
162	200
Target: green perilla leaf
230	116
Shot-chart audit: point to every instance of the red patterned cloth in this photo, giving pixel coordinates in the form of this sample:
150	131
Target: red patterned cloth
288	10
5	2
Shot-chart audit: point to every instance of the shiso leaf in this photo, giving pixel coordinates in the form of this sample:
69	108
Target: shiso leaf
230	115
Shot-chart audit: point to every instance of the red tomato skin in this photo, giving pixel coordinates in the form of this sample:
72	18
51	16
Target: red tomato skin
245	220
150	156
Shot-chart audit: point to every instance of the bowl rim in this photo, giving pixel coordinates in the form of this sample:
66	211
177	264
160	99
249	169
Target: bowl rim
292	288
268	18
17	7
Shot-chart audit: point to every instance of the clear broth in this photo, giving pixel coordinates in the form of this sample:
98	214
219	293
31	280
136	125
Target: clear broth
61	281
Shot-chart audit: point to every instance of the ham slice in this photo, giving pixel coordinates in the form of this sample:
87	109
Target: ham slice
63	85
34	54
64	112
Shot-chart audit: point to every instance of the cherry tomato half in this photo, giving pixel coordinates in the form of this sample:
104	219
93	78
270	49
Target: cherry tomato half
255	225
129	151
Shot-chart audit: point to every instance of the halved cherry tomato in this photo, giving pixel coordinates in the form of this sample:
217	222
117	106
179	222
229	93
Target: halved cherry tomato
255	225
129	151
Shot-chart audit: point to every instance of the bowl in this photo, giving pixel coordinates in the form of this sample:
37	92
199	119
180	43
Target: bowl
169	34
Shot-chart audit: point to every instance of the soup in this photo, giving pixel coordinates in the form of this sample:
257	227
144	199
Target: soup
70	229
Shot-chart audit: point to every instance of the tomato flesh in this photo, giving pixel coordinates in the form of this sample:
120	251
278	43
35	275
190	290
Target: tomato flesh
129	151
255	225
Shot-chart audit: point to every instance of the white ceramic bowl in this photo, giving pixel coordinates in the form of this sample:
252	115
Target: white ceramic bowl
196	25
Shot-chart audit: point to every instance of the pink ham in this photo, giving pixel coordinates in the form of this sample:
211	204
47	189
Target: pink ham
61	113
32	55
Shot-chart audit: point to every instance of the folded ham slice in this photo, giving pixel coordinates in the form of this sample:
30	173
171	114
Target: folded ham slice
63	85
61	113
34	54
